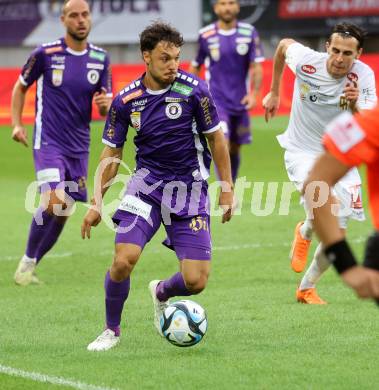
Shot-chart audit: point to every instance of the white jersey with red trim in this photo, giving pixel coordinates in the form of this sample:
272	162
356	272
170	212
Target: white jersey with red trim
318	97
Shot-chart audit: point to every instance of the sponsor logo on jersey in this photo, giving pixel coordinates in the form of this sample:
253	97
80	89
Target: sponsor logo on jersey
135	119
57	77
181	88
352	77
244	31
310	69
97	55
304	90
313	98
204	103
51	50
175	100
93	76
199	223
173	110
29	67
82	183
95	66
242	48
58	59
139	103
131	96
356	196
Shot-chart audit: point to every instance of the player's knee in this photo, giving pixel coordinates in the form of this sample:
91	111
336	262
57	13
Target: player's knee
124	262
196	283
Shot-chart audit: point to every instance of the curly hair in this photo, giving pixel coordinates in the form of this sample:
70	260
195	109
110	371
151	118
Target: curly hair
157	32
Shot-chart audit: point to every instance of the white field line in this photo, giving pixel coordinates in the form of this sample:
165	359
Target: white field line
162	249
55	380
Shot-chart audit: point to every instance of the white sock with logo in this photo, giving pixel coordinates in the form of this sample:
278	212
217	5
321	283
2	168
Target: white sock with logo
318	266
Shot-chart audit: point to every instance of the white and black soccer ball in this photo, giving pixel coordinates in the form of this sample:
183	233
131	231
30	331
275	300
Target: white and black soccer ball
184	323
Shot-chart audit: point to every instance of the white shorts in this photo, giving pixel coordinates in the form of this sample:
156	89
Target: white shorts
347	190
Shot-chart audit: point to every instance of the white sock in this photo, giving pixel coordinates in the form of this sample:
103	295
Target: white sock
27	259
306	229
318	266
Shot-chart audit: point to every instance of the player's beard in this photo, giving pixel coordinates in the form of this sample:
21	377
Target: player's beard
77	37
228	18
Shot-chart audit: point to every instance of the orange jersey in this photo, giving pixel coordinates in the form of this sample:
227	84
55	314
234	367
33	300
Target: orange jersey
354	140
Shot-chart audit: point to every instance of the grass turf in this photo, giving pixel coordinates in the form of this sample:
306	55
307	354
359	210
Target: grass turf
258	336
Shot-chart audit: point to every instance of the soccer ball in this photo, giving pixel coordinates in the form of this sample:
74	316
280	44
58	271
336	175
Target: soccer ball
184	323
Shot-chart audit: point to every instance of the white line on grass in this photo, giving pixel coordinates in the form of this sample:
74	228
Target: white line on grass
55	380
162	249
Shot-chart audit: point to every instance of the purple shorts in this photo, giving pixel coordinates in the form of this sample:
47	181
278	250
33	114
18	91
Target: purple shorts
236	127
56	171
140	215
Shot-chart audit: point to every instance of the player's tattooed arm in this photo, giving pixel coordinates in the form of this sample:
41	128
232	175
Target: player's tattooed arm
220	154
106	171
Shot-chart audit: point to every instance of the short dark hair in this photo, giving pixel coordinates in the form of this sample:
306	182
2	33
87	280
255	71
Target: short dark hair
157	32
349	30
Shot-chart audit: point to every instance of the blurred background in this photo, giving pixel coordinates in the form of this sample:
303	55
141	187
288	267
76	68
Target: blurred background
117	23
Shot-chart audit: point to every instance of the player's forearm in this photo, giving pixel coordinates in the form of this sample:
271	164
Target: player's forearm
220	154
17	103
256	75
107	170
278	67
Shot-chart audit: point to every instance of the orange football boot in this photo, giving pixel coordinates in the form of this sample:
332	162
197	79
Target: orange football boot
309	296
299	250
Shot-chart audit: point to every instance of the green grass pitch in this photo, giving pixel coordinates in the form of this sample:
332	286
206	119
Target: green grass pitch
258	336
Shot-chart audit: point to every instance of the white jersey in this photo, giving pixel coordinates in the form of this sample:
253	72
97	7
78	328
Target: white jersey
318	97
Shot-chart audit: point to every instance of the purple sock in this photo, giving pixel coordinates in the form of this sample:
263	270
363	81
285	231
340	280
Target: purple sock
37	232
54	230
116	294
172	287
235	161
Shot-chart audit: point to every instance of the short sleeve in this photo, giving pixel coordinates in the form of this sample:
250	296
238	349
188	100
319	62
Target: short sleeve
116	124
295	53
201	52
206	115
33	68
105	81
256	52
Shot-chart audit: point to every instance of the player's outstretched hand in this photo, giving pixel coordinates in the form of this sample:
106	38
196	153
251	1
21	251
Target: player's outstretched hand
271	104
20	134
226	203
92	218
364	281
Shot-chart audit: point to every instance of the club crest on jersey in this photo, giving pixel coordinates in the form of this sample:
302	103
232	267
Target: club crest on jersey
242	48
215	53
173	110
308	69
352	77
135	119
93	76
57	77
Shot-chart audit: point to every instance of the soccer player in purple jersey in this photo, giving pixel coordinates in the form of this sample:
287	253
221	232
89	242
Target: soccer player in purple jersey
232	53
70	73
174	120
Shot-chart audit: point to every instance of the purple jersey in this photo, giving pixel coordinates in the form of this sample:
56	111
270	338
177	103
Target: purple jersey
66	83
227	55
169	127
